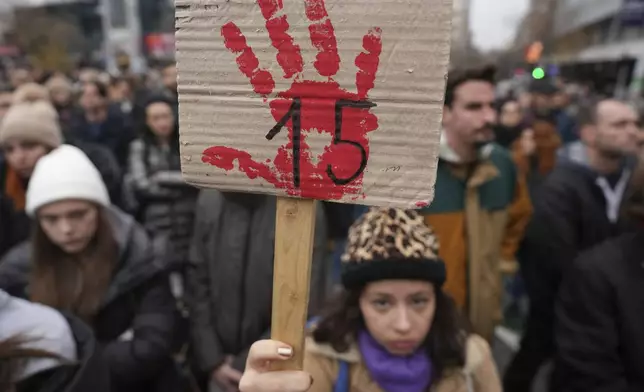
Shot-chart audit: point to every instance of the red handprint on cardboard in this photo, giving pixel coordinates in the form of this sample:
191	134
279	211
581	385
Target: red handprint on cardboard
307	106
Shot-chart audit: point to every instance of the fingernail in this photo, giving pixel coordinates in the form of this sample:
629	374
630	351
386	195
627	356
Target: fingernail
285	352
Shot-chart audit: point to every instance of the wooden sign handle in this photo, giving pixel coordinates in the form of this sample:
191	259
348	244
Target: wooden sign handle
295	226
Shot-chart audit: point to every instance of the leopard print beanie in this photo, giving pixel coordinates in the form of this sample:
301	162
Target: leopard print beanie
389	243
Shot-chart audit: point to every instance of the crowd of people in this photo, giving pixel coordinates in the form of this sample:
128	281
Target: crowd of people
115	275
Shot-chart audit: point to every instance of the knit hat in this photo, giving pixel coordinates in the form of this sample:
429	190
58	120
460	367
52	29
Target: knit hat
65	174
33	121
543	86
389	243
31	92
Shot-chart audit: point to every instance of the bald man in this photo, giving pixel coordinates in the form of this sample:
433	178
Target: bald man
577	208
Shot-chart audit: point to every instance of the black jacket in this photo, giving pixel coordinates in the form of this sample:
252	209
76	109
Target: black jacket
600	320
230	276
570	216
90	373
138	300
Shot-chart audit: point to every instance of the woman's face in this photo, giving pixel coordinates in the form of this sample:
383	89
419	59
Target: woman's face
70	224
160	119
511	114
398	313
22	155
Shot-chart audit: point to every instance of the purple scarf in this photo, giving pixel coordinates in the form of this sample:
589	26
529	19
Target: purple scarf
395	373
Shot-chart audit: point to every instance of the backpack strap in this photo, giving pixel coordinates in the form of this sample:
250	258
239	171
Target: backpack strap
342	382
310	324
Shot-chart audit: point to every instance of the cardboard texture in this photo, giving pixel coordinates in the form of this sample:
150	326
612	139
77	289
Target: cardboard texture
332	100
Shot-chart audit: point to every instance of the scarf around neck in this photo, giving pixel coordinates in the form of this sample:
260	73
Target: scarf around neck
395	373
15	189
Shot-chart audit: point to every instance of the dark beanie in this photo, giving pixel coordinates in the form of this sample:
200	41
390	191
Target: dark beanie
543	86
388	244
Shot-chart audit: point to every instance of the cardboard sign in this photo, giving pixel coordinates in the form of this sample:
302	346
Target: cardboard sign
332	100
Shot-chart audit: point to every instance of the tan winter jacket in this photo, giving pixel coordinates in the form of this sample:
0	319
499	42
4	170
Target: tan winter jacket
478	375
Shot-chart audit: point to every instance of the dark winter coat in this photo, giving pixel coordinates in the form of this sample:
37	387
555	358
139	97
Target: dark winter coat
570	216
599	325
89	373
137	324
230	277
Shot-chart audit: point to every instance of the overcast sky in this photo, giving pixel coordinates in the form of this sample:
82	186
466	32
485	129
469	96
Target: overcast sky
494	22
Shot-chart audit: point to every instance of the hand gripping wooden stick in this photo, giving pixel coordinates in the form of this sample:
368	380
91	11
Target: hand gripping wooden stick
295	226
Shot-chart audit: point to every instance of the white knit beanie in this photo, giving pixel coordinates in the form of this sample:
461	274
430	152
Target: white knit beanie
65	174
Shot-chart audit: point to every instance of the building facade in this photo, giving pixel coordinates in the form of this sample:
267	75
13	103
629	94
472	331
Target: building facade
599	44
461	23
122	33
461	34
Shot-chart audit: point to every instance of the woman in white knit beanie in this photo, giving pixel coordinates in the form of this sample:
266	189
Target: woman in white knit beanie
94	261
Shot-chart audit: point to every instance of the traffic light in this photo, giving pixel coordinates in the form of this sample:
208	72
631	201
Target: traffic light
534	52
538	73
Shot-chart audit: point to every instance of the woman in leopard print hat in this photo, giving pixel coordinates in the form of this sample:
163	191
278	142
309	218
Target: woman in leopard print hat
392	329
391	244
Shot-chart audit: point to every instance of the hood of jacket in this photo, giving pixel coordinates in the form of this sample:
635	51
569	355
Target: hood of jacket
88	372
39	327
140	259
